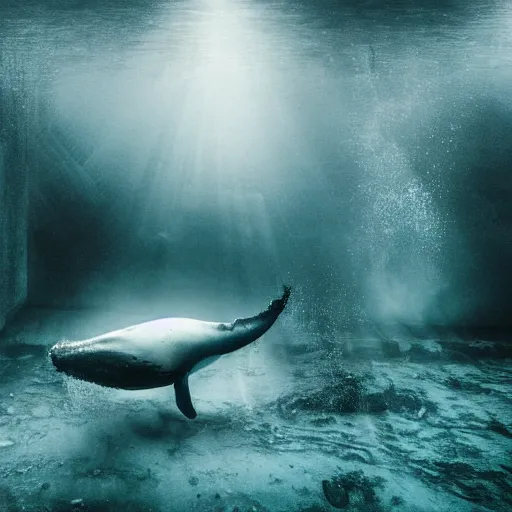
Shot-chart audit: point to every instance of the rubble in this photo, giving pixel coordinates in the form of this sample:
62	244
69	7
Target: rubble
352	393
353	489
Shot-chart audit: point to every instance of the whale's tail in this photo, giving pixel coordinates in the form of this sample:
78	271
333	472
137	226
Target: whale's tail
268	316
246	330
278	305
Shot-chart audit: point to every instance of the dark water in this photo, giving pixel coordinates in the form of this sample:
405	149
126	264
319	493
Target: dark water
358	150
185	159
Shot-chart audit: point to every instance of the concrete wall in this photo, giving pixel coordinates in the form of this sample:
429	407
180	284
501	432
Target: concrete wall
13	197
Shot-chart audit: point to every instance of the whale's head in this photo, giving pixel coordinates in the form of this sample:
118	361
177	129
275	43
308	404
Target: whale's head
60	357
71	357
78	359
94	361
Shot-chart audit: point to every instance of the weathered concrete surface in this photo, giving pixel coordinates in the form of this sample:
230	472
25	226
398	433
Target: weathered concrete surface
13	192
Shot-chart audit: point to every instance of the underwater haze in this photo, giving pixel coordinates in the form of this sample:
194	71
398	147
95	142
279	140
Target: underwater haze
211	148
188	158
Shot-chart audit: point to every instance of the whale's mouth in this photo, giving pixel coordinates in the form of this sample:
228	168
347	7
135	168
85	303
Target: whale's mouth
55	357
64	358
73	360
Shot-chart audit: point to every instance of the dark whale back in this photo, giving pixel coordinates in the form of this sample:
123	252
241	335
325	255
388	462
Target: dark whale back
113	369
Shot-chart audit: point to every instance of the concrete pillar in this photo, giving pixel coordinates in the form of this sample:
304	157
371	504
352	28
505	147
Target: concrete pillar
13	191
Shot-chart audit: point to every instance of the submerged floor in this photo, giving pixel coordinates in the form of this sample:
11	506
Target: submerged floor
293	423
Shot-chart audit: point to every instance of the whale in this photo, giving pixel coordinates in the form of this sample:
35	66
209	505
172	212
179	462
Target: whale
161	352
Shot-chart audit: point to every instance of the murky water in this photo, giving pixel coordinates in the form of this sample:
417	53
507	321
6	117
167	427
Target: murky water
361	148
187	158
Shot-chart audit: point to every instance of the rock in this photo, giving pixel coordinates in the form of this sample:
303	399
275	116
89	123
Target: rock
407	401
424	351
347	393
10	410
391	348
193	480
506	468
5	443
396	500
453	383
356	457
375	403
344	395
499	428
353	487
335	494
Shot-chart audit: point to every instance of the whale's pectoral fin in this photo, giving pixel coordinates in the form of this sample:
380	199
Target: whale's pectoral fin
183	399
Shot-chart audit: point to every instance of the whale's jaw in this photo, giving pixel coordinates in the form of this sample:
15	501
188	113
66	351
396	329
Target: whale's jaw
108	368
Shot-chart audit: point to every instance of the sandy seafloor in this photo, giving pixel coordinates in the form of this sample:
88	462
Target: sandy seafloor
296	422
